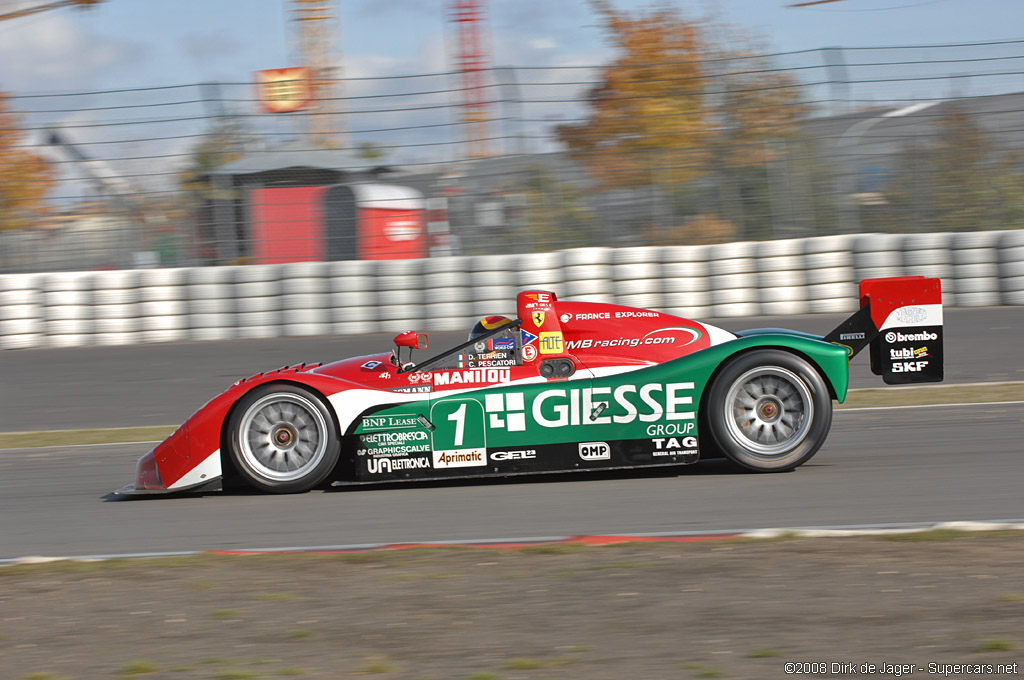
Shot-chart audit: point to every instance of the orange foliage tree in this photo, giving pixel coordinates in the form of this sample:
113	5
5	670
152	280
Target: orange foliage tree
680	98
25	177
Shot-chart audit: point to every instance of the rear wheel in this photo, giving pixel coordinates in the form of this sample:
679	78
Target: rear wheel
283	439
769	411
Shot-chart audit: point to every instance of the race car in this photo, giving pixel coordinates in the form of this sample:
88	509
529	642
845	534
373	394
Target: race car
564	386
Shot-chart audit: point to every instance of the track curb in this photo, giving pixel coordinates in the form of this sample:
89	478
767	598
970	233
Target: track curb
593	540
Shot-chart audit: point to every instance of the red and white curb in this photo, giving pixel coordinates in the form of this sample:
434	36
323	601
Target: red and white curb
587	540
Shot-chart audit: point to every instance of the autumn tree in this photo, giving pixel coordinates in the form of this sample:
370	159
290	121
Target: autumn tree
960	179
25	177
684	100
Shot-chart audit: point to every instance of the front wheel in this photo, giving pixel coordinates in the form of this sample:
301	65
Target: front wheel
283	439
769	411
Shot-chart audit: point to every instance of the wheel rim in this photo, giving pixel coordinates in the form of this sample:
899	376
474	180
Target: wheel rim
769	411
282	437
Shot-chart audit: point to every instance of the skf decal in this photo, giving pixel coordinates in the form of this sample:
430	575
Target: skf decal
909	366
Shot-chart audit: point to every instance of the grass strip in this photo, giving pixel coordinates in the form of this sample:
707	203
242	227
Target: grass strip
919	395
923	395
24	440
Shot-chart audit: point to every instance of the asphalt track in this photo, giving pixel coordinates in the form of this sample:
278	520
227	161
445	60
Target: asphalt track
929	464
879	466
95	387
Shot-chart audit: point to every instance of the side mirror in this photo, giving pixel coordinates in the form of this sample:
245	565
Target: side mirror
412	339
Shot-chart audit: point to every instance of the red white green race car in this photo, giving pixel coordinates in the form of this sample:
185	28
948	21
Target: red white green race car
566	386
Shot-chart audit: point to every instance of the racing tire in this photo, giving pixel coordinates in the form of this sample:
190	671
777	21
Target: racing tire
769	411
283	439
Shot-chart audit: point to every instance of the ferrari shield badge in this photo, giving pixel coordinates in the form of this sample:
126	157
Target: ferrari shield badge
538	318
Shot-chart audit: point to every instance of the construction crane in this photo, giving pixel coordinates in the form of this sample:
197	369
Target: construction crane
315	34
26	11
471	59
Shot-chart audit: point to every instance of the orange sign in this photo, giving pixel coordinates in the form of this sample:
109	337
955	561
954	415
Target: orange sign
283	90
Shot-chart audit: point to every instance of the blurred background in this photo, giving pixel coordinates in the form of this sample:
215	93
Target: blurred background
684	129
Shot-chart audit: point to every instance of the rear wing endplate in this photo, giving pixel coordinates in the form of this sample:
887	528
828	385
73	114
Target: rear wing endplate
900	319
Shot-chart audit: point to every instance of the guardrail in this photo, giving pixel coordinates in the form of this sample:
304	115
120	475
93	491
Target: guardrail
797	276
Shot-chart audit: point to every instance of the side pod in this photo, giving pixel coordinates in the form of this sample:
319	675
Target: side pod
900	319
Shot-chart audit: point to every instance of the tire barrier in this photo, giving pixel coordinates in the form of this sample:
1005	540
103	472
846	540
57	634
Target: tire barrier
976	268
686	288
784	277
733	269
831	277
636	277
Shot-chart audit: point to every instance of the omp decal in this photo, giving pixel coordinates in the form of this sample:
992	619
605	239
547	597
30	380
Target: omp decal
595	451
202	473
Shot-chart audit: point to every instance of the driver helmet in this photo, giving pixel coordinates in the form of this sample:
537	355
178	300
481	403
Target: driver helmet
487	324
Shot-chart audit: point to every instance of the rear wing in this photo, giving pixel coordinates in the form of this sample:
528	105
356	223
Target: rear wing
900	319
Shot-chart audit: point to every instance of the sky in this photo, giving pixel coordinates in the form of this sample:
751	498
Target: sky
138	43
81	71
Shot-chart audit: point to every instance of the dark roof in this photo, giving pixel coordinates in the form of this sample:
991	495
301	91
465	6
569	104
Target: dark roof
292	156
